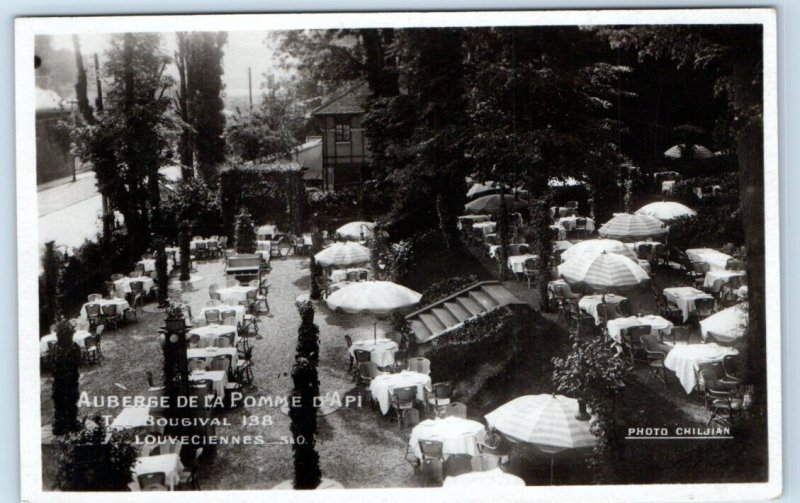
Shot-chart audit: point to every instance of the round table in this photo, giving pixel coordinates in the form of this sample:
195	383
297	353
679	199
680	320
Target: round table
491	478
382	350
235	294
458	435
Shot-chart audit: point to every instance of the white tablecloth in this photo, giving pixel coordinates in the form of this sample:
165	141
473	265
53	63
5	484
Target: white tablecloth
383	385
458	436
684	297
169	464
165	445
338	275
562	232
485	227
123	285
78	338
193	243
666	186
516	263
150	264
211	333
470	219
569	223
121	304
715	279
210	352
264	245
589	304
235	294
266	232
492	478
684	358
240	311
655	323
131	417
382	350
494	250
219	377
716	260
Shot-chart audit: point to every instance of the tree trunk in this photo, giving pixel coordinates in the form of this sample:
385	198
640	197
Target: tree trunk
186	262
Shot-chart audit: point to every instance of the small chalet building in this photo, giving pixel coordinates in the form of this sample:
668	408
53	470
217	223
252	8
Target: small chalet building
345	153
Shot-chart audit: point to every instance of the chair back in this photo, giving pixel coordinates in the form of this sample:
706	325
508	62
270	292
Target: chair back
197	364
221	362
363	275
152	481
717	368
251	295
442	390
216	299
92	310
194	340
530	266
406	395
137	287
732	365
225	313
111	287
735	264
624	308
211	315
645	251
580	224
368	370
485	462
94	297
431	449
455	409
700	267
229	321
680	334
704	307
110	310
652	347
457	464
224	341
352	275
419	364
411	417
362	355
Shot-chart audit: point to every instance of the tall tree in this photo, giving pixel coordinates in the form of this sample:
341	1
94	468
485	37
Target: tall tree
66	361
82	84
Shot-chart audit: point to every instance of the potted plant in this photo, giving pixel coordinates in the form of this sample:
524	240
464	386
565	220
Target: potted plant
175	318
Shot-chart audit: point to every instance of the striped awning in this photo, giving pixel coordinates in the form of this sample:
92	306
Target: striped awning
546	421
626	226
602	270
666	210
343	254
597	246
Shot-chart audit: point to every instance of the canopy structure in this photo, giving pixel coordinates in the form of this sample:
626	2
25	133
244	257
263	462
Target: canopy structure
726	325
373	297
356	230
491	204
597	246
666	211
602	271
626	226
343	255
679	152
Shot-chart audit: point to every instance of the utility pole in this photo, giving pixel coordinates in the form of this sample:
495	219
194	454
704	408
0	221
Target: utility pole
250	87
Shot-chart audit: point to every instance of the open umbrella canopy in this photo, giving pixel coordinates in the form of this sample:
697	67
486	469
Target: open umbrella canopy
602	271
626	226
596	246
373	297
679	152
356	230
546	421
343	255
728	325
491	204
666	211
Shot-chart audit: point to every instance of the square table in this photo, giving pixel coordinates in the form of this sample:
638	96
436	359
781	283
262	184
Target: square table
457	435
193	243
123	285
168	464
219	378
381	349
516	263
589	304
716	260
684	297
235	294
122	306
382	386
150	264
78	337
715	280
240	311
684	359
656	324
210	333
208	354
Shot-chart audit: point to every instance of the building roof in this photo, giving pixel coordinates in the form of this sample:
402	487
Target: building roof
309	155
348	101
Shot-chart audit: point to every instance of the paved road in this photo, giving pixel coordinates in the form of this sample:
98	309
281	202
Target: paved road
69	213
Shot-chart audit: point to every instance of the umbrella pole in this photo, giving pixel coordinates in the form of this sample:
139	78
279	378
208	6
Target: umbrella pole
375	331
551	469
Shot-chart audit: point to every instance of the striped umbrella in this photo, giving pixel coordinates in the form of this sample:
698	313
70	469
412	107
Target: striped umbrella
602	271
356	230
678	152
626	226
666	210
491	204
596	246
548	422
343	255
373	297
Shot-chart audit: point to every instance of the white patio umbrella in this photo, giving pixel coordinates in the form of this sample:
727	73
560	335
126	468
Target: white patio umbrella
728	325
343	255
548	422
632	227
602	271
479	189
491	204
373	297
596	246
356	230
678	152
666	211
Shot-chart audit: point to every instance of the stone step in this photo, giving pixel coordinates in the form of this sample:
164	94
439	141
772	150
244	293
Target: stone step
444	317
457	312
469	305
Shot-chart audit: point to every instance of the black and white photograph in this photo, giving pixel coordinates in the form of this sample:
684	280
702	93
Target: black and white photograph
498	253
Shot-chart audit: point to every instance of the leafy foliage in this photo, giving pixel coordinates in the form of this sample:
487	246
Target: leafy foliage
594	373
48	286
486	326
66	359
442	289
194	202
303	413
245	233
91	462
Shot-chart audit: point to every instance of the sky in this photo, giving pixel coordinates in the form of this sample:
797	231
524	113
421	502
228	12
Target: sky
243	50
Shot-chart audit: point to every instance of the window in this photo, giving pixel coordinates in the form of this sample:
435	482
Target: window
342	128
